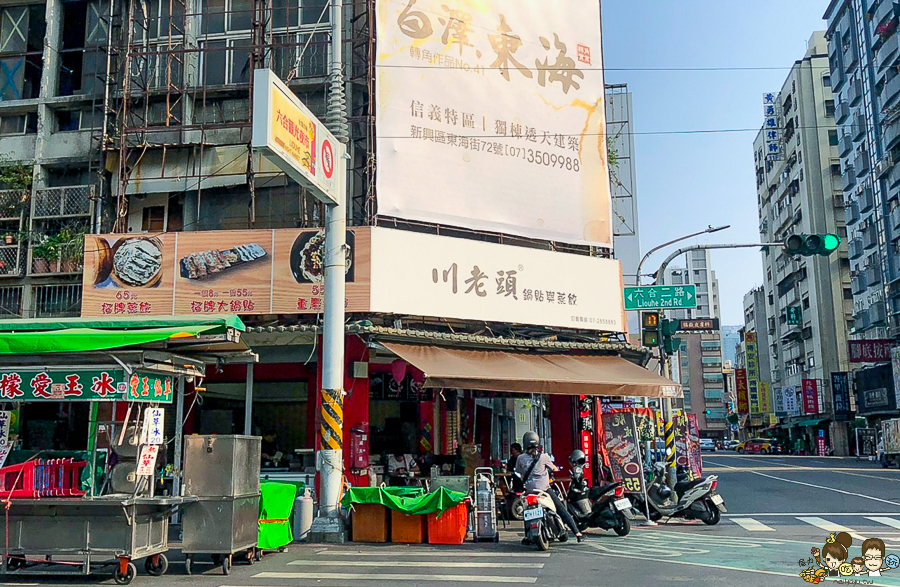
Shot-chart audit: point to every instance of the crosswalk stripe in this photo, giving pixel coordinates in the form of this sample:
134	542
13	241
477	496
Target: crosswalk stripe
434	552
752	525
830	526
886	521
416	564
397	577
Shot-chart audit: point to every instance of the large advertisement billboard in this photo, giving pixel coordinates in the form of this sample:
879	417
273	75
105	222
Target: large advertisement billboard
490	116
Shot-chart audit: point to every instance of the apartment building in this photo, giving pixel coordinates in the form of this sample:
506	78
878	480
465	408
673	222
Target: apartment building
808	300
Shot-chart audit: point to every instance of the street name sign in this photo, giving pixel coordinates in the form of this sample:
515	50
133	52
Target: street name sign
660	297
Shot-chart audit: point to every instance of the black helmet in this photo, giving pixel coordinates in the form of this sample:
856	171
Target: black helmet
531	440
577	458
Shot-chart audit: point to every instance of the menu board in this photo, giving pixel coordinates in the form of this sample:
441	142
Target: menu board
621	444
218	272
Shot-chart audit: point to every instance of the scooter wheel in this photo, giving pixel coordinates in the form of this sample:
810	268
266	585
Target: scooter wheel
714	515
623	525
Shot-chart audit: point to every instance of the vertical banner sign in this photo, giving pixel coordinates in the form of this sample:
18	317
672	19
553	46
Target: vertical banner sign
778	397
5	421
743	402
483	108
865	442
895	367
753	393
810	396
586	426
772	127
840	391
620	442
765	401
752	371
694	446
154	426
147	460
820	446
789	395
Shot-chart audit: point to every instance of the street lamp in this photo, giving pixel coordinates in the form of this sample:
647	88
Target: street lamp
709	230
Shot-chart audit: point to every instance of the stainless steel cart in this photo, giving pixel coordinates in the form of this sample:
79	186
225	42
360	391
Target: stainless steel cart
484	489
83	533
222	474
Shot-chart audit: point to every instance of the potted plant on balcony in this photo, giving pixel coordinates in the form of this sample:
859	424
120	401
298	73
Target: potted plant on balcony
44	253
70	245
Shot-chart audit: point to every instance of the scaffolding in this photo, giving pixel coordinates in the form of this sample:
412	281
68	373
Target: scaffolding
177	101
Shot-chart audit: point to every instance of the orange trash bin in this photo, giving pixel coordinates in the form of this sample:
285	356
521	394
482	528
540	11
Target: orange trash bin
450	527
407	529
371	523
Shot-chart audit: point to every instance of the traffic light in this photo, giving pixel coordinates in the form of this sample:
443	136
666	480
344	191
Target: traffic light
708	412
650	329
668	329
808	245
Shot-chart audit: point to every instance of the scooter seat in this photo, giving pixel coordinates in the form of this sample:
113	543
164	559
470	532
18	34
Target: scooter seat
598	491
683	486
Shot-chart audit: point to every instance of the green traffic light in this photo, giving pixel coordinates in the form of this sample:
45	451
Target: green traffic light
808	245
830	243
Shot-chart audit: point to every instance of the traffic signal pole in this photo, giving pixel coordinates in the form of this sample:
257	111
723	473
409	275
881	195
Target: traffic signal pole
664	360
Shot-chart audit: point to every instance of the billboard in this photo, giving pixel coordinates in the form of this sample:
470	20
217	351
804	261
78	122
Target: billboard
870	351
743	400
491	117
288	134
427	275
217	272
810	396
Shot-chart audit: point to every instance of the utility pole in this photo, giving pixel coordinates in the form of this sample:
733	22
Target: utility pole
663	359
328	526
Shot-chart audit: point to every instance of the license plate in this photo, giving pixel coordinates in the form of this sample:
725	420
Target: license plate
534	514
717	499
622	504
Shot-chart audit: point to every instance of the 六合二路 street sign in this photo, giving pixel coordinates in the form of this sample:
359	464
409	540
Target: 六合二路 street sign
662	297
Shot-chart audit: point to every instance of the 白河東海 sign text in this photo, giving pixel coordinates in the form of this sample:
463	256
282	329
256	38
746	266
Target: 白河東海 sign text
660	297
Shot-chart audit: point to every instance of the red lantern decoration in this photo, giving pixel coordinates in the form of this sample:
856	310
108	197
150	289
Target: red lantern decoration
418	376
398	370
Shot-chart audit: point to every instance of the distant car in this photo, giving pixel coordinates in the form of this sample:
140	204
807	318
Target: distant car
707	444
761	446
731	444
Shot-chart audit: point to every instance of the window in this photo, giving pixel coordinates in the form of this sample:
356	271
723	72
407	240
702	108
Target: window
848	293
832	138
826	81
18	124
842	232
715	361
67	120
154	219
829	108
710	344
22	30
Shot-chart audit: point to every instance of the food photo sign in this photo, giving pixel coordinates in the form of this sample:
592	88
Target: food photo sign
218	272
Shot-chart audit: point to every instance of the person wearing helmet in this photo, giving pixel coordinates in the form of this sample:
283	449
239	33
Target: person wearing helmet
534	467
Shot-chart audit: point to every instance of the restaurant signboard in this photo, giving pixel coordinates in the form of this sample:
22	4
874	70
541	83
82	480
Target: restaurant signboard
29	385
621	444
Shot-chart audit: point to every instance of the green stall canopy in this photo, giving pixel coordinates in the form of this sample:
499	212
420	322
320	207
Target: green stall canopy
429	503
221	322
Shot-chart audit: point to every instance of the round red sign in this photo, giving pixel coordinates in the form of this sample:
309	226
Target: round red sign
327	159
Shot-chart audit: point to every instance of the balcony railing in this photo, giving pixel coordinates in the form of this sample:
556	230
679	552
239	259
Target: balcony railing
887	53
56	301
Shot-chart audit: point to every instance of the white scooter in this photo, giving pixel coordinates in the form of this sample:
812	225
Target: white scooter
542	523
696	500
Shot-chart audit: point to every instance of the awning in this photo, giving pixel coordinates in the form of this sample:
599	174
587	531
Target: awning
73	340
809	422
560	374
222	323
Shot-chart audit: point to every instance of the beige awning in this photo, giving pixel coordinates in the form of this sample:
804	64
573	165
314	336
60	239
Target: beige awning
561	374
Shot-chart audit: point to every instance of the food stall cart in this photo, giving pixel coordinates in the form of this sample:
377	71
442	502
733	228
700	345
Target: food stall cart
58	520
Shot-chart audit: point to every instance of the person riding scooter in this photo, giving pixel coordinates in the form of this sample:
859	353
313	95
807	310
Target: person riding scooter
534	468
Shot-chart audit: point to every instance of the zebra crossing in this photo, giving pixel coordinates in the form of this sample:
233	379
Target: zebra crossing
859	526
420	564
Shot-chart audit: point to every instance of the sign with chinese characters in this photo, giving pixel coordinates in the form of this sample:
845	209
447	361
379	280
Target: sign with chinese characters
698	324
218	272
586	425
840	392
62	385
491	116
445	277
791	406
821	447
289	135
752	355
687	442
753	395
778	398
740	381
765	398
661	297
621	445
145	387
870	351
153	431
895	368
772	127
147	460
5	421
810	396
794	315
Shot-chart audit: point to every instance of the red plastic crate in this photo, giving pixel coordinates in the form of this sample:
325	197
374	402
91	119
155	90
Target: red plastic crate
450	527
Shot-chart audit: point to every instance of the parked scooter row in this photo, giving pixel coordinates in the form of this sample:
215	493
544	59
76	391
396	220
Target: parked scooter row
607	507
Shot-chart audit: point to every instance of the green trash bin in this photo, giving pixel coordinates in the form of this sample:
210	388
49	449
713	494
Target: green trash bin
276	503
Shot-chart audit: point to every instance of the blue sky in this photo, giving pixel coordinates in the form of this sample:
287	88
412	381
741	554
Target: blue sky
686	182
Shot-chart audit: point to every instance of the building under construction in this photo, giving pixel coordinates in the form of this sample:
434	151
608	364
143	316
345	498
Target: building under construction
134	116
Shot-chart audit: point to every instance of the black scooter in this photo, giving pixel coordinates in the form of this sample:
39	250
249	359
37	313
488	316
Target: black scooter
603	507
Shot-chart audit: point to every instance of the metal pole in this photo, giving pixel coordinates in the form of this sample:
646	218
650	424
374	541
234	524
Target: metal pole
330	455
248	402
709	230
179	436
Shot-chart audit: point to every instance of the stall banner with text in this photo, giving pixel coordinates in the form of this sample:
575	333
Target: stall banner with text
621	445
62	385
810	396
147	387
217	272
765	398
743	401
694	445
491	116
447	277
840	391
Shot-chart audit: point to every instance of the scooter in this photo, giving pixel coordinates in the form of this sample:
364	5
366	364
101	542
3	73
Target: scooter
692	500
603	507
542	523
